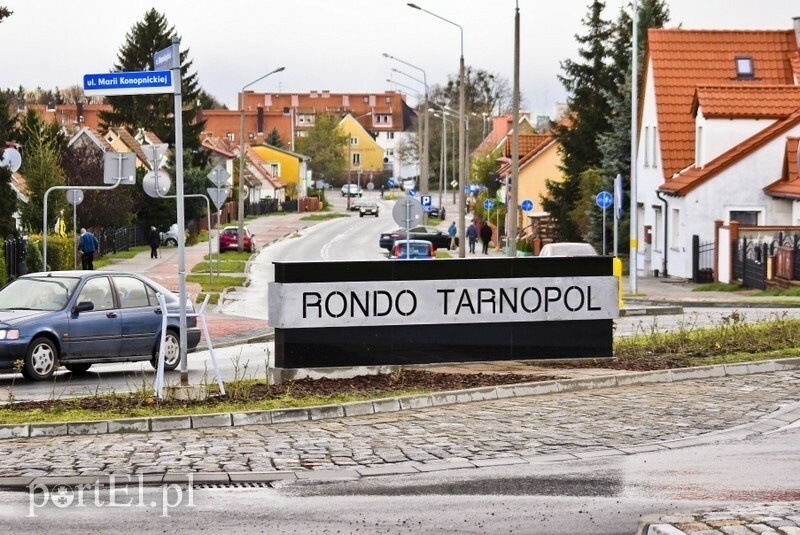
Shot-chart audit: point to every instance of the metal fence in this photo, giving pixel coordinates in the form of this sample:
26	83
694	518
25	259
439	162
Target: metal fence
14	255
750	263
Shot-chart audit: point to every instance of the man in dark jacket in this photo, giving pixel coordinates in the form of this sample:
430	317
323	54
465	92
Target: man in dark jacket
486	236
154	239
87	245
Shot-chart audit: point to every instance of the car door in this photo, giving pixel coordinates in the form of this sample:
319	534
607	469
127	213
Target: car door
140	313
96	333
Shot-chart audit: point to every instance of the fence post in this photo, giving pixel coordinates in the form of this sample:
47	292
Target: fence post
695	258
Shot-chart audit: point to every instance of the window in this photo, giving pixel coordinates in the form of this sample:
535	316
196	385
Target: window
389	152
647	146
388	100
229	135
675	234
698	147
356	158
657	226
744	67
654	160
131	292
366	100
354	141
389	135
305	118
744	217
98	291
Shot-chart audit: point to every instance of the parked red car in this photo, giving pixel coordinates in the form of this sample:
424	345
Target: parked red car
229	240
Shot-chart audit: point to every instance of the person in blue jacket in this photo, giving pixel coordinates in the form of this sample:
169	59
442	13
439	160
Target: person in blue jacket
87	245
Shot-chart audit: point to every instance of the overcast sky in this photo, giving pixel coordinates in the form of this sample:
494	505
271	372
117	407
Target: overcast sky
334	45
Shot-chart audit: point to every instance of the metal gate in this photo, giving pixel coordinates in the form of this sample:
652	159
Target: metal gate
702	260
750	263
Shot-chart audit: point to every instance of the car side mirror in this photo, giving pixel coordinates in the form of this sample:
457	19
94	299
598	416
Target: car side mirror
83	306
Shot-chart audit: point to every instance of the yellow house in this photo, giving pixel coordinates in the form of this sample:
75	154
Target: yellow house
290	167
364	152
539	161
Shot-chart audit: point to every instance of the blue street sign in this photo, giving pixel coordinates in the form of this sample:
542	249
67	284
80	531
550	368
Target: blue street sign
164	59
128	83
412	192
390	183
527	205
488	204
425	200
604	199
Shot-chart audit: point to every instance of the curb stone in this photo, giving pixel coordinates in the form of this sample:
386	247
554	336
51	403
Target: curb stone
396	404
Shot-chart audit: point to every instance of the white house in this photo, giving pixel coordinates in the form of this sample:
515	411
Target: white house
719	124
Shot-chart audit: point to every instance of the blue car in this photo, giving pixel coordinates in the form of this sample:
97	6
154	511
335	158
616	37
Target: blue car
79	318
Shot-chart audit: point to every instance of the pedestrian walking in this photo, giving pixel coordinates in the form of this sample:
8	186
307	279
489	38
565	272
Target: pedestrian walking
154	239
87	245
381	191
472	236
486	236
451	231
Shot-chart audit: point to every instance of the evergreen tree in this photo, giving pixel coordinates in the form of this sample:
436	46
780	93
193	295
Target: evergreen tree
5	13
326	145
41	167
588	83
274	138
615	145
155	112
8	197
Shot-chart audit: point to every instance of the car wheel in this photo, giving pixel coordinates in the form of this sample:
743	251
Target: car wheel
40	361
172	353
360	215
77	367
171	242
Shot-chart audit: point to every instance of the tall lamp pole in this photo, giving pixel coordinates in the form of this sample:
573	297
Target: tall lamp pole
511	206
241	162
461	135
425	141
634	232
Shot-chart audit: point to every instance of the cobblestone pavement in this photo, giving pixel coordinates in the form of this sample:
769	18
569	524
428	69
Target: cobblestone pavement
560	426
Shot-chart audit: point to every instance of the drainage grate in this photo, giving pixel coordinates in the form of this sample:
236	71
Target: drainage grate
243	485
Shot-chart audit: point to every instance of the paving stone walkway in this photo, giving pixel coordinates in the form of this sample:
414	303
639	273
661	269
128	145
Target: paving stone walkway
561	426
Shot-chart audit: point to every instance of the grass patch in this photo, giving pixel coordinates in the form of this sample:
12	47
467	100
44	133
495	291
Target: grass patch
230	255
218	285
224	266
719	287
785	292
441	253
323	216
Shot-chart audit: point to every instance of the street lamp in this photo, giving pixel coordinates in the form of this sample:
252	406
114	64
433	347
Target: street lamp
425	127
443	172
241	161
461	134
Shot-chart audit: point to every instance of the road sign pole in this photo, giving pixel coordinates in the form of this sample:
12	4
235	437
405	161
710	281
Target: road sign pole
604	231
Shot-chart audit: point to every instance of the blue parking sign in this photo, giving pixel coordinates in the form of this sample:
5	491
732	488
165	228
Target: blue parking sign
425	200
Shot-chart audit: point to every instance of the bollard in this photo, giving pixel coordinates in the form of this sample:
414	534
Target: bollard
618	274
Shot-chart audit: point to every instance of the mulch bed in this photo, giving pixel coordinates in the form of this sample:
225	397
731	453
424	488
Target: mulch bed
362	385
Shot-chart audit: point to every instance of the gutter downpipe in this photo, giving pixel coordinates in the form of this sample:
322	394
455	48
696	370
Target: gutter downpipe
666	229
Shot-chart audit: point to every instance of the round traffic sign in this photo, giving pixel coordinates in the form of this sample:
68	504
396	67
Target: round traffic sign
74	196
604	199
407	212
527	205
412	192
488	204
156	183
370	186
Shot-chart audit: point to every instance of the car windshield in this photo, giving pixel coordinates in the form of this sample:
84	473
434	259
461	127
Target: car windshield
417	249
38	293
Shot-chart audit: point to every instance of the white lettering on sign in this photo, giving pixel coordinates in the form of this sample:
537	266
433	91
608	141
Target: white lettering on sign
375	303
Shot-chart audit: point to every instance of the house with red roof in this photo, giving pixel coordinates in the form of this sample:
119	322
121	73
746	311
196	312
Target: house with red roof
718	138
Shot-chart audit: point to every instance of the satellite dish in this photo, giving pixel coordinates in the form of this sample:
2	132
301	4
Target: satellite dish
12	159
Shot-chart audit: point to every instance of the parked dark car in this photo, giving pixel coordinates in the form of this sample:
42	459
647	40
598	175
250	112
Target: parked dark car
435	211
368	208
439	239
229	240
412	250
80	318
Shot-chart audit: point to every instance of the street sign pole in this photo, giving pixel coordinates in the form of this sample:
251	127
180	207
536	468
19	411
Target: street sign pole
604	200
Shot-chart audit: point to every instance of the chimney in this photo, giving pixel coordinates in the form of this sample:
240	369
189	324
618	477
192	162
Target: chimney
796	21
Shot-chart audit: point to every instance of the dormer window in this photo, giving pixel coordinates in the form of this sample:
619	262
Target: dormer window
744	67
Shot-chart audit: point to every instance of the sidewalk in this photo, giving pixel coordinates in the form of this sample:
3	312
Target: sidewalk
224	329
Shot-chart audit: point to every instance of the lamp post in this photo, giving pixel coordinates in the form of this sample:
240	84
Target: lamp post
425	141
461	134
241	162
443	173
511	205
